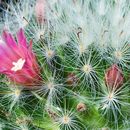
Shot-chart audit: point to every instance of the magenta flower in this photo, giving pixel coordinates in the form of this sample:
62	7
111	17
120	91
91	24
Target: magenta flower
17	60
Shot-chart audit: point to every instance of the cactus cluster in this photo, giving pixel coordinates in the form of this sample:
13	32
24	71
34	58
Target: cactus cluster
65	65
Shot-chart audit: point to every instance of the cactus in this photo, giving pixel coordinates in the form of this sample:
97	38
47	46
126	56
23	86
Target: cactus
65	65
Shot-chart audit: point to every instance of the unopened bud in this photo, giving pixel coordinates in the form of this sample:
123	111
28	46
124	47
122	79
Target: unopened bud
81	107
114	77
71	79
40	10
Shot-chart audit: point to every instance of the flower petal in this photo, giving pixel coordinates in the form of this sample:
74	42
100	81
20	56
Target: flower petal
21	38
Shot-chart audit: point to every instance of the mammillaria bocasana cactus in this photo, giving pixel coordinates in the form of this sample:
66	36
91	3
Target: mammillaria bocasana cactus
74	73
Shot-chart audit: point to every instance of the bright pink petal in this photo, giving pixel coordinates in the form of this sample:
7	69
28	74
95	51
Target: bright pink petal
9	40
21	38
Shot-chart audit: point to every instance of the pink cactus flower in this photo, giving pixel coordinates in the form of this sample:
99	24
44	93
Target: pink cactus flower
17	60
114	77
40	10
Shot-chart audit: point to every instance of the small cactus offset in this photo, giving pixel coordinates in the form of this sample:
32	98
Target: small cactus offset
65	65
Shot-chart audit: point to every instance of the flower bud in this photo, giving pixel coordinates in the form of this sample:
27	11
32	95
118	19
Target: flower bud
81	107
71	79
114	77
40	10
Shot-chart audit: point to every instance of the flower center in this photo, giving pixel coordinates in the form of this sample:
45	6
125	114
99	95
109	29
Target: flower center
18	65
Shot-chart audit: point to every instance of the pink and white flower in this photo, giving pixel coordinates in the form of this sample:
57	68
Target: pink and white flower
17	60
